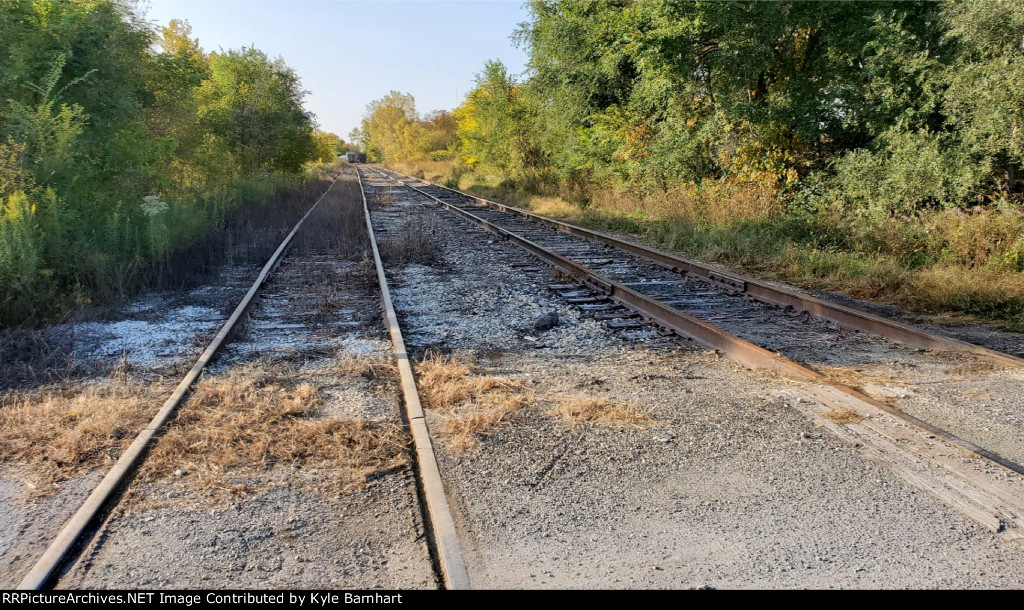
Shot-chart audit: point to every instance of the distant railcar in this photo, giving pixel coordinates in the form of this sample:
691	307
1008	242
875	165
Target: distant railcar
354	157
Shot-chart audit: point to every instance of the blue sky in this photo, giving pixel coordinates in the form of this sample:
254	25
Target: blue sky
349	53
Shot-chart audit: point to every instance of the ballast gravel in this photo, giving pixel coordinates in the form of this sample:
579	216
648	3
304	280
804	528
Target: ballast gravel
728	486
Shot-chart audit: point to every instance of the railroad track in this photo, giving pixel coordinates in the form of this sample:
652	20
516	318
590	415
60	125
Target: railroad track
765	327
628	287
448	564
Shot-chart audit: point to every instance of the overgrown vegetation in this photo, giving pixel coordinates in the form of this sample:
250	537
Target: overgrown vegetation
871	147
121	146
247	236
60	432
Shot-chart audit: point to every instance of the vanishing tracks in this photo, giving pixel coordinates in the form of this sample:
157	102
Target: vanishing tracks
63	551
752	323
766	327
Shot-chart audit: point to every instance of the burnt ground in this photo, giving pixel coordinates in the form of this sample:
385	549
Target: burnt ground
240	492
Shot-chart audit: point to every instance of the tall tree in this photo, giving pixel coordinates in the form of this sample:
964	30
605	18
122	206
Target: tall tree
496	123
255	104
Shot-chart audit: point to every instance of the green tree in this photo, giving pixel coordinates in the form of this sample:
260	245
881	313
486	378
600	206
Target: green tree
766	92
390	127
118	145
328	146
985	99
496	124
255	105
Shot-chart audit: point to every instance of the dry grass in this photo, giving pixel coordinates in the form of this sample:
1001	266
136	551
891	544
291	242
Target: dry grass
412	244
239	427
434	171
714	203
582	409
383	196
986	291
949	262
471	404
54	434
355	365
556	207
977	237
843	416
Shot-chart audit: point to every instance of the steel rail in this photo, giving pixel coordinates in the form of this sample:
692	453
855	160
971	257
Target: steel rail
446	539
843	316
58	550
710	336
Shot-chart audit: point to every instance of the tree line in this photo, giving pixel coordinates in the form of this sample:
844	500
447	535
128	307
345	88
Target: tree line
868	110
120	144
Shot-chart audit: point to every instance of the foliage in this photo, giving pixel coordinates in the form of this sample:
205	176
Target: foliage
120	145
877	142
496	124
393	131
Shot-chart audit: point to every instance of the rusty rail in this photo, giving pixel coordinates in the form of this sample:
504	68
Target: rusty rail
845	317
446	540
1001	505
60	548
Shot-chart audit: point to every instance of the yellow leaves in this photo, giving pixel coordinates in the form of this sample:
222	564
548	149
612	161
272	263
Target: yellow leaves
767	166
18	209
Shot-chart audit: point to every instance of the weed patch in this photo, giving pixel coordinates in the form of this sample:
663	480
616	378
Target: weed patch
471	404
580	409
239	428
54	434
412	244
843	416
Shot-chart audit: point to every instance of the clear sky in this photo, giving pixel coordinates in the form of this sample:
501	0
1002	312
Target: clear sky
349	53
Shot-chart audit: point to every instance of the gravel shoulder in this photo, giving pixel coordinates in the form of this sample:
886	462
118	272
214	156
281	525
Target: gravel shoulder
724	484
971	397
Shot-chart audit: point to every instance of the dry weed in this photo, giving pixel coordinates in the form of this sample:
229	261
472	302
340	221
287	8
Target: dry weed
59	432
384	196
434	171
471	404
714	203
413	243
843	416
30	357
582	409
948	287
355	365
239	426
